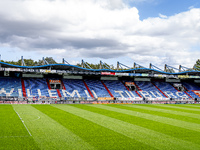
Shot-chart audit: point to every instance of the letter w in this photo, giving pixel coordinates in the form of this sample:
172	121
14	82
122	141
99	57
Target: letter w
2	91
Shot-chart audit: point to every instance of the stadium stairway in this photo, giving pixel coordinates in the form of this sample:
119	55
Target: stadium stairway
107	89
36	87
57	90
169	90
184	91
23	87
97	88
148	90
137	86
188	94
63	85
114	86
88	89
133	91
191	88
160	90
118	89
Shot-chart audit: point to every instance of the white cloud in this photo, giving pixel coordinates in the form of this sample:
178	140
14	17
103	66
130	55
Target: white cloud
191	7
162	16
99	28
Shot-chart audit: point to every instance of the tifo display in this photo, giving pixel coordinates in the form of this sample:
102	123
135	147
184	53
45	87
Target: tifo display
94	88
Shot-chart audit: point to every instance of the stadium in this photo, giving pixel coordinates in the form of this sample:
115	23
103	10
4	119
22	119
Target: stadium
73	107
65	83
138	87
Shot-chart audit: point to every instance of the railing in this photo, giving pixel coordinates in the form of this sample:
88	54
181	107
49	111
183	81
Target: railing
82	100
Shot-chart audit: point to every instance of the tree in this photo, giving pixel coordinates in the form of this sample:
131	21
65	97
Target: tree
11	62
170	70
30	62
50	60
97	66
197	65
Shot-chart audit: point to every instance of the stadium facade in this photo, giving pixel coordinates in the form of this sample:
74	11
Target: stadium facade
64	83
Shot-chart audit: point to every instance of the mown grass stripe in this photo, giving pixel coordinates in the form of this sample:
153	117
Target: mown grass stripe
181	109
143	135
162	106
177	132
188	105
23	122
195	106
192	105
174	131
171	113
10	124
48	133
166	120
178	107
96	135
13	134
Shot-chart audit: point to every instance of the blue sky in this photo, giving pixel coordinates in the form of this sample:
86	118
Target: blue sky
152	8
142	31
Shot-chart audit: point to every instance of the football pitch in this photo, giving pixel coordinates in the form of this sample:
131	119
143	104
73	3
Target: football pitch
99	126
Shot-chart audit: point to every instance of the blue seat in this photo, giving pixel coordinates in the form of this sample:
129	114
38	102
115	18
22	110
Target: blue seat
10	86
97	87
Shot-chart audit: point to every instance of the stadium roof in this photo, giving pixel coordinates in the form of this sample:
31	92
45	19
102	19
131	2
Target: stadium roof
77	68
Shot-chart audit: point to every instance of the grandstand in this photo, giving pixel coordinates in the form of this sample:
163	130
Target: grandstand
65	82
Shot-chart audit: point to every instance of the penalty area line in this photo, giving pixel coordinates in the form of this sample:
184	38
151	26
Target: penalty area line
22	122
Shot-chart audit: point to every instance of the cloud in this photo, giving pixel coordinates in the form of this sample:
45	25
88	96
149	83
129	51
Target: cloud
141	1
99	29
162	16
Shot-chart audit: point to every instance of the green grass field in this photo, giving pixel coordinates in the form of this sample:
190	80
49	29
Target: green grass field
101	126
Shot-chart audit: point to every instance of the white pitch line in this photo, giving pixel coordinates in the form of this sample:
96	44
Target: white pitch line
23	122
37	118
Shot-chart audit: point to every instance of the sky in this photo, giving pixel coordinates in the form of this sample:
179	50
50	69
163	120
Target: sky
142	31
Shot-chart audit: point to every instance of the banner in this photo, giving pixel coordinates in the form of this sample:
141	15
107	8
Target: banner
129	83
54	81
105	98
13	69
108	73
87	72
